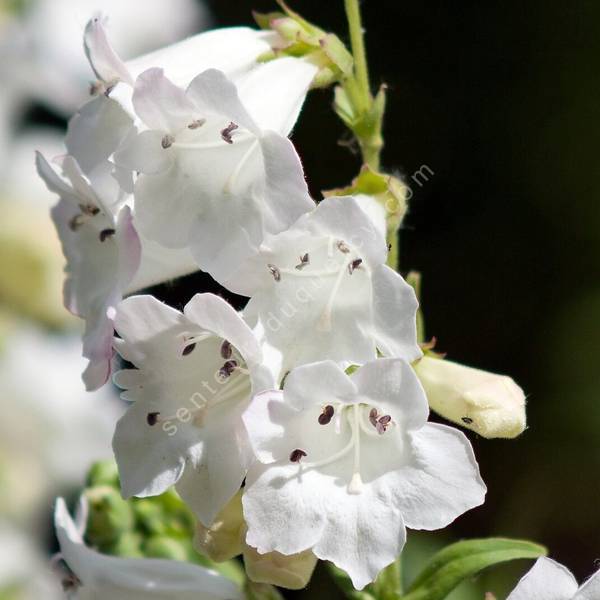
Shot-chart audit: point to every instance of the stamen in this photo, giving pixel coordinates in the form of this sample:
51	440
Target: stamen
196	123
227	369
226	349
105	233
152	418
356	484
354	265
324	323
188	349
89	209
304	260
77	221
226	133
326	416
275	272
373	417
342	247
467	420
297	455
167	141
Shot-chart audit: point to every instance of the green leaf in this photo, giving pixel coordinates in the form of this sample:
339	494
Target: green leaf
462	560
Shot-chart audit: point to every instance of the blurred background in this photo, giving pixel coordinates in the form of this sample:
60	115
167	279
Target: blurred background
500	101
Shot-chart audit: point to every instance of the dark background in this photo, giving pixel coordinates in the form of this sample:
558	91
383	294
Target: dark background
501	100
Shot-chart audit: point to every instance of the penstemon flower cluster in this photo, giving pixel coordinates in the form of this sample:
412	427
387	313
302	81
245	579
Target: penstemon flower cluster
297	429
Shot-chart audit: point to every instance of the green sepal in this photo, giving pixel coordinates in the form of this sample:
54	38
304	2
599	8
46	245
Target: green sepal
462	560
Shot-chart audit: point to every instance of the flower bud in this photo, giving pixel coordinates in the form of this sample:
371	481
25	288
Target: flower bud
223	539
489	404
103	473
166	547
292	572
109	515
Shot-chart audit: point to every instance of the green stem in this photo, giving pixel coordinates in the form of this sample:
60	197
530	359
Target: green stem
361	70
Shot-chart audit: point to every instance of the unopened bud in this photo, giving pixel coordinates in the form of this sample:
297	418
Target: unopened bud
165	547
109	515
292	572
223	539
491	405
103	473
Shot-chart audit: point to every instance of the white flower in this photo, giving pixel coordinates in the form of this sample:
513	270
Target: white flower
347	462
94	575
321	290
492	405
106	257
549	580
103	254
196	373
215	170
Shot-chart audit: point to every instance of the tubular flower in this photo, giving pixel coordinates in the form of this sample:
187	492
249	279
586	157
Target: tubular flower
321	290
549	580
347	462
93	575
196	372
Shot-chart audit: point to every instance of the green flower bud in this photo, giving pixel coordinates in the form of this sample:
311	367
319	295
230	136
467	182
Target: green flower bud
165	547
489	404
149	516
110	516
103	473
224	538
127	545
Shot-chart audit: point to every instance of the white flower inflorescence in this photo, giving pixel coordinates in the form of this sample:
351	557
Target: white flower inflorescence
182	162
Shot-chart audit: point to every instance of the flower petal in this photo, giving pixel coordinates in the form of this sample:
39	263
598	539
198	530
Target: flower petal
105	576
105	62
287	81
143	152
160	104
547	580
436	478
590	590
392	386
394	309
214	92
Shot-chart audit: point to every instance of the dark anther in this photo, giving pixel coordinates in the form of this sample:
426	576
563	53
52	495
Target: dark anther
89	209
341	246
354	265
467	420
106	233
188	349
297	454
389	247
304	260
226	350
167	141
382	424
373	417
275	272
228	368
152	418
196	123
326	416
76	222
226	133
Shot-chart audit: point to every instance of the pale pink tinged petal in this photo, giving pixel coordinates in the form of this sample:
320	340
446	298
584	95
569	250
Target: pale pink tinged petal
393	387
105	62
214	92
273	93
547	580
394	309
129	248
160	104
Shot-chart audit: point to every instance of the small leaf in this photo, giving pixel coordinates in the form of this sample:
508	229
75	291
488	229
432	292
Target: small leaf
462	560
